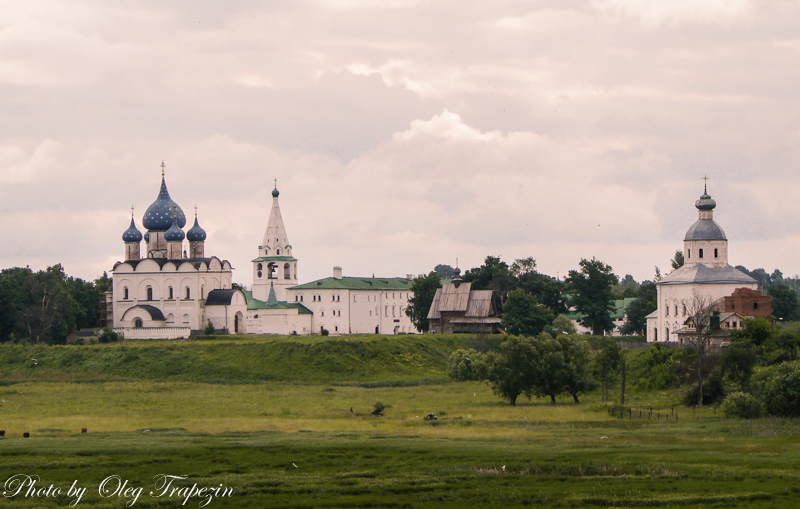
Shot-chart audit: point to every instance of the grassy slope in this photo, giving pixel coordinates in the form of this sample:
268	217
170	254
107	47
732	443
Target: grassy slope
411	358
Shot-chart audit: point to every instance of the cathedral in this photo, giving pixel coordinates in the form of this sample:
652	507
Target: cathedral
175	290
705	276
170	291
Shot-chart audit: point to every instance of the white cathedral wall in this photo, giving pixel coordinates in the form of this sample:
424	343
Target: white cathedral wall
680	295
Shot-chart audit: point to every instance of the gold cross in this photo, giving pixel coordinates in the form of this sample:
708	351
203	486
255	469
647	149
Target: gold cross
705	183
276	183
162	168
131	210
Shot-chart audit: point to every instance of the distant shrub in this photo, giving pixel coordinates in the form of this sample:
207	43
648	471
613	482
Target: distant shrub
324	332
209	328
108	336
461	366
378	409
742	405
713	391
782	394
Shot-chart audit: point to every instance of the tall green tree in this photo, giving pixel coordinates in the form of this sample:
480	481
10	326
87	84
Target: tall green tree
677	260
606	362
591	294
444	271
515	370
424	289
636	314
785	304
493	275
547	290
524	315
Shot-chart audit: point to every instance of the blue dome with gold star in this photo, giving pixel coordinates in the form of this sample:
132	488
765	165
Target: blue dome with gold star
158	216
174	232
132	234
196	234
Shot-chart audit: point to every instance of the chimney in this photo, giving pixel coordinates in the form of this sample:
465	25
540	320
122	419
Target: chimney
337	273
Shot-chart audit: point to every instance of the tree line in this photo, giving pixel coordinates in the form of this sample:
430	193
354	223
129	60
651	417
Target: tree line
45	306
529	300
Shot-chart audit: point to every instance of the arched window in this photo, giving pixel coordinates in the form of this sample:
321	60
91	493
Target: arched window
701	253
666	334
286	271
125	293
259	267
301	298
666	309
716	253
149	293
279	252
170	292
188	293
137	323
755	305
296	299
271	271
202	292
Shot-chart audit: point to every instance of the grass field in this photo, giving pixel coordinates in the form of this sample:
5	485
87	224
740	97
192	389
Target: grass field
293	444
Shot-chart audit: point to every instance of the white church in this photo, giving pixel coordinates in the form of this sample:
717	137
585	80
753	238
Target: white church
705	274
172	292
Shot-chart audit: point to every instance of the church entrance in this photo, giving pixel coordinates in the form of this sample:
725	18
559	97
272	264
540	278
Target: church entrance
236	324
377	329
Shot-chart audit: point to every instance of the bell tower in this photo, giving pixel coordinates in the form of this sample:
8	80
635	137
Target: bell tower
275	269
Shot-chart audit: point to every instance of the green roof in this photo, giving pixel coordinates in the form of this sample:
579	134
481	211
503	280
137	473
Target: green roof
260	304
620	306
357	283
275	259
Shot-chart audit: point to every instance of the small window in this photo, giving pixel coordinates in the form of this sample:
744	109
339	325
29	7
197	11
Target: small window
301	298
676	310
322	313
188	293
338	297
684	310
354	298
733	305
259	273
295	298
666	309
259	267
333	298
170	292
755	305
701	253
286	271
149	293
125	293
137	323
688	253
336	328
279	251
202	292
716	253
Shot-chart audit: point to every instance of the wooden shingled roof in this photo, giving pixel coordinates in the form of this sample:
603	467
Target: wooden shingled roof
473	303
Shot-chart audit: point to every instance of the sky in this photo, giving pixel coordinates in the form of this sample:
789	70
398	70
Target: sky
402	133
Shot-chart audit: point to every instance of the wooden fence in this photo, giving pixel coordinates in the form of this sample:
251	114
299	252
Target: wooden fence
626	412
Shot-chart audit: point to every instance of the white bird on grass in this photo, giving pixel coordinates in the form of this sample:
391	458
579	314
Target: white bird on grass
295	466
504	468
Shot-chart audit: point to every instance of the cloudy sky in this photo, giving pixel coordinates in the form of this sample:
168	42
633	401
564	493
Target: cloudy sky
403	133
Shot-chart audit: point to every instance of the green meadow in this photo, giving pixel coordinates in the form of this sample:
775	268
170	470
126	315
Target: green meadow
286	422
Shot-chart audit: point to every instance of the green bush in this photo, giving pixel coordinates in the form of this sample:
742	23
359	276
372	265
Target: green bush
742	405
324	332
462	365
782	394
108	336
209	328
713	391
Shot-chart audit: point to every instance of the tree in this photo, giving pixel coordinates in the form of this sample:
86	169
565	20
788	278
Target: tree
493	275
547	290
592	297
424	289
524	315
785	304
444	271
607	361
563	325
701	312
737	363
677	260
463	365
782	394
787	337
576	357
636	314
513	371
554	368
758	331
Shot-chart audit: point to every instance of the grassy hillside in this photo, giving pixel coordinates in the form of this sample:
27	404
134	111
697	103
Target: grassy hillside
357	359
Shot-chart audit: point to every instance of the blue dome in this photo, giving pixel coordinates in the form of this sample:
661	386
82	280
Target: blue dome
174	232
158	216
147	236
705	202
196	234
132	234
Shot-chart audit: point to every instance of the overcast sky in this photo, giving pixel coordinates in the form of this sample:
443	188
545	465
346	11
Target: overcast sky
403	133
